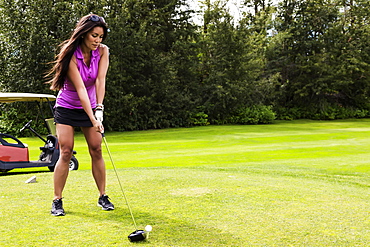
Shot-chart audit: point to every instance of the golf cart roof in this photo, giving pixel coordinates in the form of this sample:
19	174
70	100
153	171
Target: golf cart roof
15	97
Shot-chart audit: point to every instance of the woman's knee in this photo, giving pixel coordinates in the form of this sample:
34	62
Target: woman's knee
66	154
96	151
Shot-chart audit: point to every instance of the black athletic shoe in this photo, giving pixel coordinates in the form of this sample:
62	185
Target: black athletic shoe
57	208
104	203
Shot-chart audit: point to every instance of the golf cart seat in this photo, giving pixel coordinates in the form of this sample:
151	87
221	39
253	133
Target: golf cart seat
10	151
51	125
4	142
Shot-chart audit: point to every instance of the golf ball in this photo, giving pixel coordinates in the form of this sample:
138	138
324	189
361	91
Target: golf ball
148	228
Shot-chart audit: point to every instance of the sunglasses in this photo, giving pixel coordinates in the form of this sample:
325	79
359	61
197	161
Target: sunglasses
96	18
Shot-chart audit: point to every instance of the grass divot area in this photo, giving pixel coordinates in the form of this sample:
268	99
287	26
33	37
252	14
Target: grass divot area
299	183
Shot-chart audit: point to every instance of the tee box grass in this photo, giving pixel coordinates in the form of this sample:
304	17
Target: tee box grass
297	183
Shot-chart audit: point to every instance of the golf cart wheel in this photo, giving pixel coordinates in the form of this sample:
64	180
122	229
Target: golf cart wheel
73	164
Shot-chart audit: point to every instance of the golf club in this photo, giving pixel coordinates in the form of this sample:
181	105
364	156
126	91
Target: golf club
137	235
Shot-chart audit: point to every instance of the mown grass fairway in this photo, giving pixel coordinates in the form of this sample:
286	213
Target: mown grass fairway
299	183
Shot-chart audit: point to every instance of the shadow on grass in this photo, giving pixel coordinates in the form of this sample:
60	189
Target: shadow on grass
12	173
167	231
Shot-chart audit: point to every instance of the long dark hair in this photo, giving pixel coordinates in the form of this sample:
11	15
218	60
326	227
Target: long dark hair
69	46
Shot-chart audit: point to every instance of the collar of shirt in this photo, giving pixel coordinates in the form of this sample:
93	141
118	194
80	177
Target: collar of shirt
80	56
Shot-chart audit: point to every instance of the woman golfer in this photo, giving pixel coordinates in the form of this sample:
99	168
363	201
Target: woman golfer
79	74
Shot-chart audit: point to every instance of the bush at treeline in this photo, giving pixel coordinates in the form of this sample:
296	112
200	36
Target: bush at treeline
297	59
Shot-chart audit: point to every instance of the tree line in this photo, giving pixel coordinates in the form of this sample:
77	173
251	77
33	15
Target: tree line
295	59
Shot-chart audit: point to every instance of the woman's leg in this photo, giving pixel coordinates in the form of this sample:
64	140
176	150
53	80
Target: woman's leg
65	135
94	139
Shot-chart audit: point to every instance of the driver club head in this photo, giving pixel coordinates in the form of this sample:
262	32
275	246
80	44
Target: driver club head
138	235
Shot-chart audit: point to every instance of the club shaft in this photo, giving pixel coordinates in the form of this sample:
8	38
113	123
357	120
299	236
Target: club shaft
119	181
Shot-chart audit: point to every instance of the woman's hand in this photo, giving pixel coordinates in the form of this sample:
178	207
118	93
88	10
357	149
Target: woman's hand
98	126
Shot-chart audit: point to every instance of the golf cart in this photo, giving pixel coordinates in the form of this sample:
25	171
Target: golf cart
14	153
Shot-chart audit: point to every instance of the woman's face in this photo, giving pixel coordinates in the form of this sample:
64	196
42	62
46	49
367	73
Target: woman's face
93	38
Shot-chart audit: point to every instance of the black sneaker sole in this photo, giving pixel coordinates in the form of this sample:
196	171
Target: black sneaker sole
106	209
57	214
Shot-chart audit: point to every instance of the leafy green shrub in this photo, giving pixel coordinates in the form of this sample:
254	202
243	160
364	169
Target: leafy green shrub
328	112
339	112
258	114
15	115
362	113
199	119
284	113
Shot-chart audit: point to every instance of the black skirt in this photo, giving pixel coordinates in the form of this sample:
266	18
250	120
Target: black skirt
72	117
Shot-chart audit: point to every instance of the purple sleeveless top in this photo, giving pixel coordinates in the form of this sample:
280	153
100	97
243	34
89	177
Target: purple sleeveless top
67	96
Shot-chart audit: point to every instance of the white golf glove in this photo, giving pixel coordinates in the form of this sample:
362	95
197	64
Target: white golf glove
99	112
